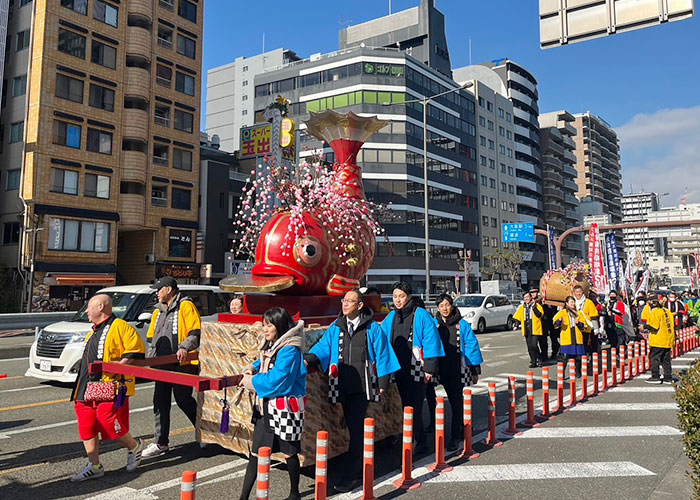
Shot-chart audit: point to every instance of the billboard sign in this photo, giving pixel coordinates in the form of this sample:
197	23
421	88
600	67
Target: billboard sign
519	232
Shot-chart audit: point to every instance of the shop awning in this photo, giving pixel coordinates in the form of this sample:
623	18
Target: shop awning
83	279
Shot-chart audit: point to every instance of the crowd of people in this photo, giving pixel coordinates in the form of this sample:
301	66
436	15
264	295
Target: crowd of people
410	348
586	323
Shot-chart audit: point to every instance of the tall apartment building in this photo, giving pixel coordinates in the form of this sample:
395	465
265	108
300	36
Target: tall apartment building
561	207
520	86
104	146
230	94
4	15
497	181
635	208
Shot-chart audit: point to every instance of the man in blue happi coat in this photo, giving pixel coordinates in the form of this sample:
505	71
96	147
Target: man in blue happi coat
358	359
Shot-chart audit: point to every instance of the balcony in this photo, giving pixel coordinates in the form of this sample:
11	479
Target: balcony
570	171
553	208
572	200
529	202
143	8
570	185
550	193
135	124
552	178
166	43
532	186
138	83
138	42
134	166
571	214
132	210
522	81
167	4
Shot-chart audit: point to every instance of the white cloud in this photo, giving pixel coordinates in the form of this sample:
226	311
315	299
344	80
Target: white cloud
660	152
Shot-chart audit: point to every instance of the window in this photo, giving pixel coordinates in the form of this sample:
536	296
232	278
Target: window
245	83
245	68
481	102
494	242
13	177
22	40
501	131
492	163
181	198
107	13
10	233
186	46
484	221
22	3
510	153
164	75
165	37
493	202
482	140
180	243
490	125
162	115
69	88
489	105
184	121
508	117
485	201
501	149
482	121
99	141
511	189
492	145
492	183
188	10
64	181
503	168
244	98
503	187
485	241
19	85
97	186
484	180
104	55
184	83
80	6
159	196
500	112
182	160
71	43
17	132
510	170
161	152
482	160
101	97
494	222
509	134
511	207
167	4
83	236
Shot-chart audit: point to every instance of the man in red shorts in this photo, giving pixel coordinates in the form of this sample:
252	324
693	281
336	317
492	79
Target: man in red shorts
111	339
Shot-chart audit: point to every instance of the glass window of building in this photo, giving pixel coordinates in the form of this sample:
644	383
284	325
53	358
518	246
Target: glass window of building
10	233
99	141
64	181
182	159
97	186
17	132
104	55
13	177
71	43
162	115
164	75
23	38
101	97
161	153
165	37
188	10
186	46
180	243
181	198
159	196
19	85
105	12
69	88
73	235
184	83
183	121
79	6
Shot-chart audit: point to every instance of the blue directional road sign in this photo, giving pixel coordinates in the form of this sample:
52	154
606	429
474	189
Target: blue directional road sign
519	231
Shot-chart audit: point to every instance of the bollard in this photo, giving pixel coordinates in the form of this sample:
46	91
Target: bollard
643	355
321	486
530	394
368	466
263	473
636	359
630	360
648	356
560	388
584	377
468	451
188	485
545	393
511	430
572	381
3	375
613	367
596	367
605	371
622	363
491	439
407	482
439	465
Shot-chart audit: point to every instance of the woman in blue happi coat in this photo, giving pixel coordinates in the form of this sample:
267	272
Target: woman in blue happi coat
412	332
278	379
461	365
358	359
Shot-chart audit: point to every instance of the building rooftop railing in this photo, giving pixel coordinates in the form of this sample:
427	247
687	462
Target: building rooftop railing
335	53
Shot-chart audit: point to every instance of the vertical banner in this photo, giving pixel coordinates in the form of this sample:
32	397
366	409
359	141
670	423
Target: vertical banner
595	259
643	284
552	250
614	271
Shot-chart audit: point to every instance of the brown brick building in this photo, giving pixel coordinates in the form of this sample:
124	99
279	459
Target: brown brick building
108	151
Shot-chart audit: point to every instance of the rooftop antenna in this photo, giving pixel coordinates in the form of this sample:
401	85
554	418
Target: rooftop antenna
389	7
343	23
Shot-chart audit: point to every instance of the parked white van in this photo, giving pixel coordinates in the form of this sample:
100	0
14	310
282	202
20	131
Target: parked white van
58	348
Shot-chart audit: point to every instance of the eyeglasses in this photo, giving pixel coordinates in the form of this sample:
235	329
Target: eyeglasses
346	301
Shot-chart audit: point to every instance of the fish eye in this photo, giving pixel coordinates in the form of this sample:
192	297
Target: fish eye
307	251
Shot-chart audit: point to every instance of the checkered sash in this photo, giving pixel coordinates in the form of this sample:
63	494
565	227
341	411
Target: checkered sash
286	415
371	379
416	359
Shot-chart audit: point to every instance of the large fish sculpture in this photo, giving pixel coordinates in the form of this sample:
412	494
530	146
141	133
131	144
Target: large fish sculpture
318	260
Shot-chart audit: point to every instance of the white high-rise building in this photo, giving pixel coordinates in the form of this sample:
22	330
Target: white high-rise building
635	208
231	94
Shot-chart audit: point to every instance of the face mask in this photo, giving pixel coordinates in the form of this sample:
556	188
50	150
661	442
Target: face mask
672	299
641	302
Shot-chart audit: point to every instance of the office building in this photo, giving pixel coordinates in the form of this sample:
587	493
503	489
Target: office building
4	15
635	208
230	94
104	146
680	241
520	86
561	207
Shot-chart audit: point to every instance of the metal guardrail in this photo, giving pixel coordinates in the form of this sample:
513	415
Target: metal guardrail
28	321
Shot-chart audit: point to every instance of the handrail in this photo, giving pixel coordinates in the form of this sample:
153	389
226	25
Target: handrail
29	321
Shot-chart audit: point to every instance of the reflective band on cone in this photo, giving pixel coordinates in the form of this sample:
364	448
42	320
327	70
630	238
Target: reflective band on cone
188	485
622	363
643	355
468	451
572	382
368	466
560	388
630	360
439	465
636	359
491	439
545	394
321	486
530	396
605	371
613	367
407	482
511	430
584	377
596	368
263	490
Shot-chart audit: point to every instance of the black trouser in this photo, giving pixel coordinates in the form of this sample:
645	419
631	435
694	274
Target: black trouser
660	356
613	338
355	411
554	337
453	389
162	399
412	394
536	347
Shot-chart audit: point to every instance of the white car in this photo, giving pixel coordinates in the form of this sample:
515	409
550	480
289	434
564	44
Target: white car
58	348
486	311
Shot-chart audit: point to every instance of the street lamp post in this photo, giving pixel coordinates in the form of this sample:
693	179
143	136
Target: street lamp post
426	212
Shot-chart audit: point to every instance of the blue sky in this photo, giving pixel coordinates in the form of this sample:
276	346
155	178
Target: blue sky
642	82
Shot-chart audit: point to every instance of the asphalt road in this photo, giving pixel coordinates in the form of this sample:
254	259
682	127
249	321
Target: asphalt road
623	444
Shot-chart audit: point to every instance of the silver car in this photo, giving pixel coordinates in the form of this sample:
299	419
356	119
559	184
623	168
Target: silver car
484	311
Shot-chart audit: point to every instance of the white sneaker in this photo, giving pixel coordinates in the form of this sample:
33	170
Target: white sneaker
153	450
89	471
133	458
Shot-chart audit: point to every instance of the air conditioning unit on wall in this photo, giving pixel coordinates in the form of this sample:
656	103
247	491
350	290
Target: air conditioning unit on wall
150	258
